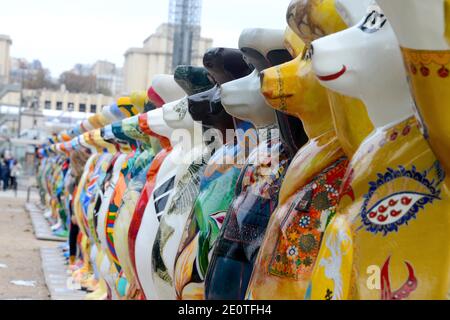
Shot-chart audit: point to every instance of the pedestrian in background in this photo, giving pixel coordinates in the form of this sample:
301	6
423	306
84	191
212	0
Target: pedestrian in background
1	171
6	172
16	171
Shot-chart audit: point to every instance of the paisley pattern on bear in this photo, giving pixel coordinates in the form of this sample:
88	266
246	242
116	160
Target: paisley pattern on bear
397	196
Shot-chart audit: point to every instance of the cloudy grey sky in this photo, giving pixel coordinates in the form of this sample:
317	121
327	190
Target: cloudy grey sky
62	33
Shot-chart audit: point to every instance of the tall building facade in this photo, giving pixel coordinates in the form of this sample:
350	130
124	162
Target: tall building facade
155	57
5	63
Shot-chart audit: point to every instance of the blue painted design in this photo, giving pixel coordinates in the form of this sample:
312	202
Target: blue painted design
421	198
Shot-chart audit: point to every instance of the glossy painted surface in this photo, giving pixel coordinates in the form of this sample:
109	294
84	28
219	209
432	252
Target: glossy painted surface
430	79
205	107
262	53
426	54
156	206
97	180
137	177
175	167
166	180
57	183
143	227
370	250
322	18
116	164
113	201
138	214
101	206
204	223
136	180
173	221
79	212
350	116
193	79
297	93
393	191
218	181
127	107
351	121
256	197
114	205
257	189
172	224
307	198
357	206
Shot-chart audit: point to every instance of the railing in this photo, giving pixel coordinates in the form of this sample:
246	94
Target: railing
4	118
29	191
9	88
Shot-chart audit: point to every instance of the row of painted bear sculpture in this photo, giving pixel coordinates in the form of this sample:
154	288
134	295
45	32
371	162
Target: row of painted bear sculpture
333	185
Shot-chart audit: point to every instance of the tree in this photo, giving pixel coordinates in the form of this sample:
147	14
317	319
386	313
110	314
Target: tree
38	79
78	83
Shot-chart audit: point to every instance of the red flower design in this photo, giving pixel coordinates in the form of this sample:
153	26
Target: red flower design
425	71
406	130
394	136
443	72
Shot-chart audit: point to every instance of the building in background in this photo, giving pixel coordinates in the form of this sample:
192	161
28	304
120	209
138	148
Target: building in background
46	111
155	57
33	105
107	76
62	100
41	106
174	43
5	44
42	113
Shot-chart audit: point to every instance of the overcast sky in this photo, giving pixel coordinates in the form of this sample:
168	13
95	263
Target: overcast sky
62	33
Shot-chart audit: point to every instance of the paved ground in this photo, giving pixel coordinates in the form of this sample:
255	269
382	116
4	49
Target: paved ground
19	250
